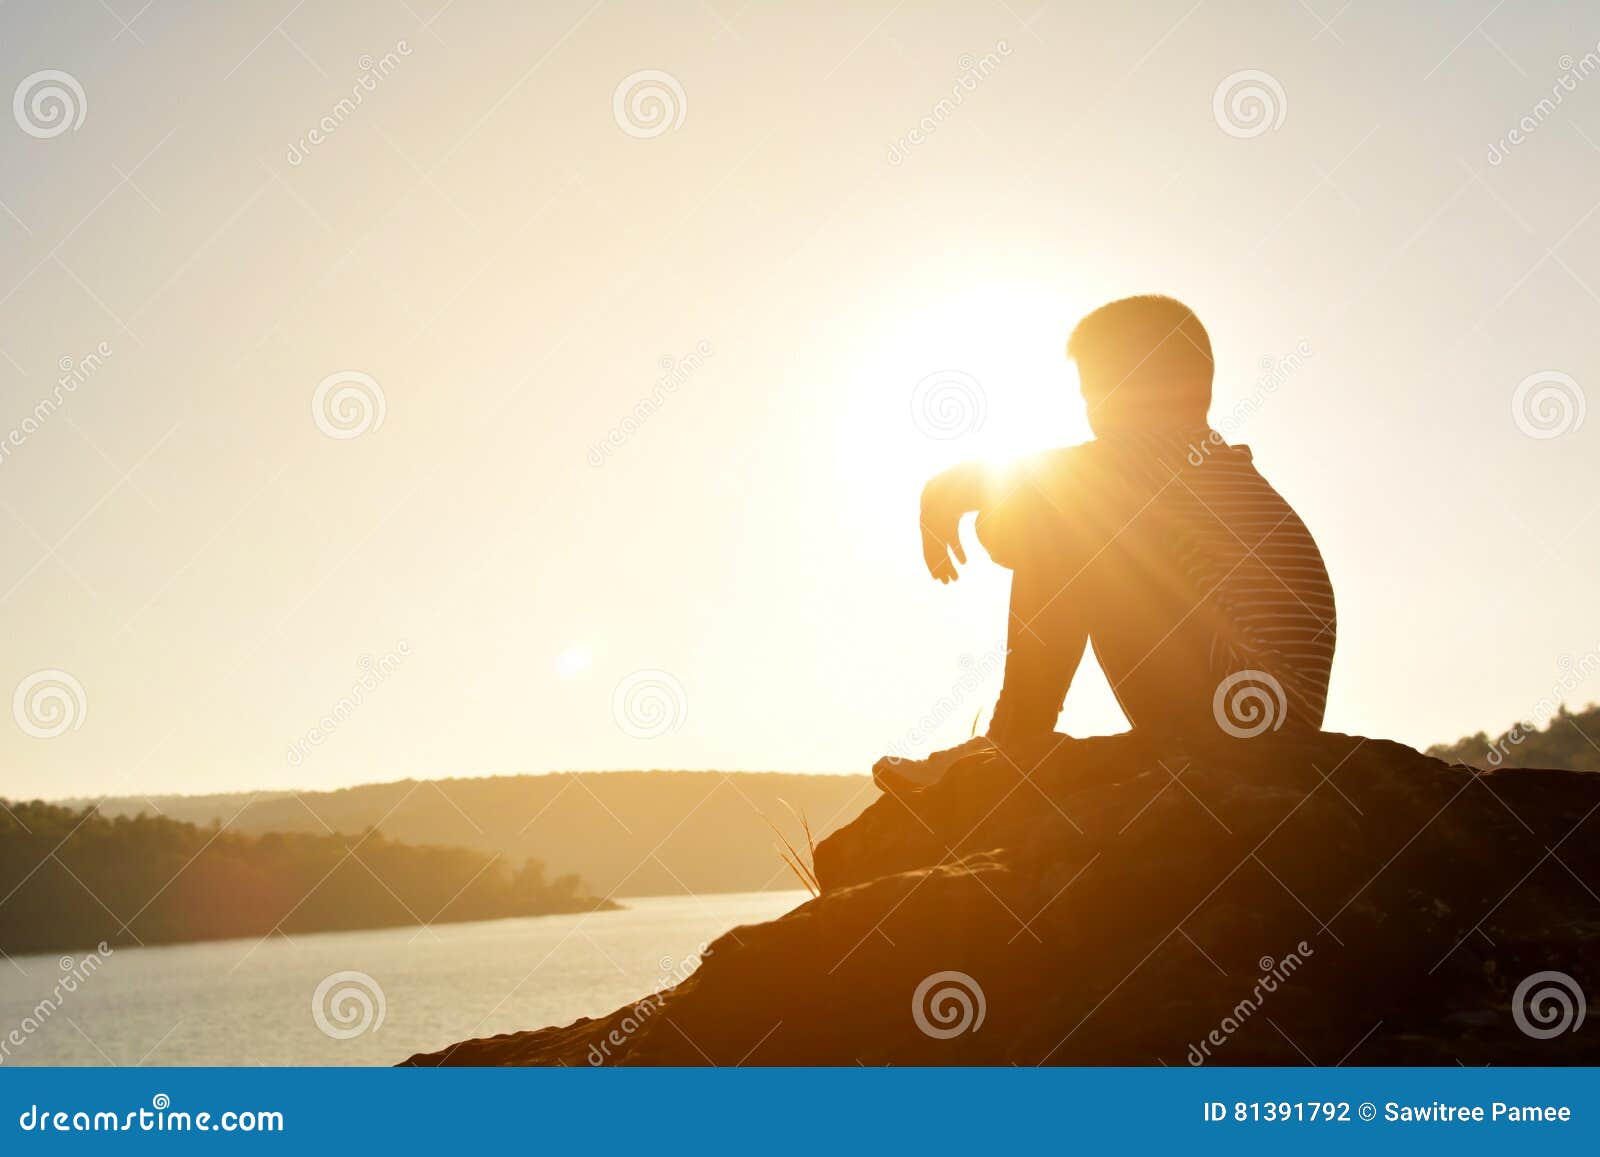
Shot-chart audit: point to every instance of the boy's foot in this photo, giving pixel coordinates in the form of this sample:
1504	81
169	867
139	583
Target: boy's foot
894	774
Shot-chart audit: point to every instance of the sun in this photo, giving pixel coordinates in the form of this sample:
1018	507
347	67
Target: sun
982	376
575	660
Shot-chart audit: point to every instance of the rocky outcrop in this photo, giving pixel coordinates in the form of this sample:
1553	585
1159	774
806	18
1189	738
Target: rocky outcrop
1276	900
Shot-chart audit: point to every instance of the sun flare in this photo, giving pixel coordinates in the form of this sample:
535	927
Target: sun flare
983	375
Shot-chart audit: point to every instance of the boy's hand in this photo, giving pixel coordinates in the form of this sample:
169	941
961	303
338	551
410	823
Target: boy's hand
936	552
945	500
941	538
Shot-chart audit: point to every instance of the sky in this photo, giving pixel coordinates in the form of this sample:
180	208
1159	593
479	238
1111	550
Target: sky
460	389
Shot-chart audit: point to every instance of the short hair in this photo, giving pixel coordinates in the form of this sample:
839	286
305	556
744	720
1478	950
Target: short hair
1151	348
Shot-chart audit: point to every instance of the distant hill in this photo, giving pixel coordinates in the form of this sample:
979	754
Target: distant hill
1568	740
628	833
74	878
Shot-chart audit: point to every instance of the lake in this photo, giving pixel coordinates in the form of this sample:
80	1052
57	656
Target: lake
317	999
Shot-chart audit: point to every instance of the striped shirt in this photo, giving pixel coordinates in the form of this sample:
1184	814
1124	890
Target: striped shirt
1237	546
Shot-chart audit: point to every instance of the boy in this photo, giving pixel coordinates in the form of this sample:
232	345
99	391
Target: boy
1203	593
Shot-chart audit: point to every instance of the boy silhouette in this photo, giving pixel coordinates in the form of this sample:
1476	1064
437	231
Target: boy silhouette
1203	593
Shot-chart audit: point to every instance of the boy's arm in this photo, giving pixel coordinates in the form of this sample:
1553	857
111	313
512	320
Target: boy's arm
1009	500
946	499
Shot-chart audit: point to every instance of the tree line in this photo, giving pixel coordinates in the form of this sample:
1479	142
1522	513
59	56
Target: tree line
1568	739
71	877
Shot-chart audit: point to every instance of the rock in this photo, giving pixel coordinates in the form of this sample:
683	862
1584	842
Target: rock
1278	900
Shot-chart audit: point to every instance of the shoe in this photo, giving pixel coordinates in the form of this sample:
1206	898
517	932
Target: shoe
897	775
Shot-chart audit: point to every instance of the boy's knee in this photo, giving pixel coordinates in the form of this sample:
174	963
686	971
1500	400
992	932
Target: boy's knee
995	541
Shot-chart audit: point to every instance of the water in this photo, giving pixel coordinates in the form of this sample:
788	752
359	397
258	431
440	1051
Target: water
250	1002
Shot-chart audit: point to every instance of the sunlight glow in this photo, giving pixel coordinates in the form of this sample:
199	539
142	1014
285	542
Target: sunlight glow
981	374
574	661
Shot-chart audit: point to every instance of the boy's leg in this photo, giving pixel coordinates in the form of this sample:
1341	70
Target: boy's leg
1044	643
1045	639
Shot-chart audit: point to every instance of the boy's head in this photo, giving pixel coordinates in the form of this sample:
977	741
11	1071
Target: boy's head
1143	361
